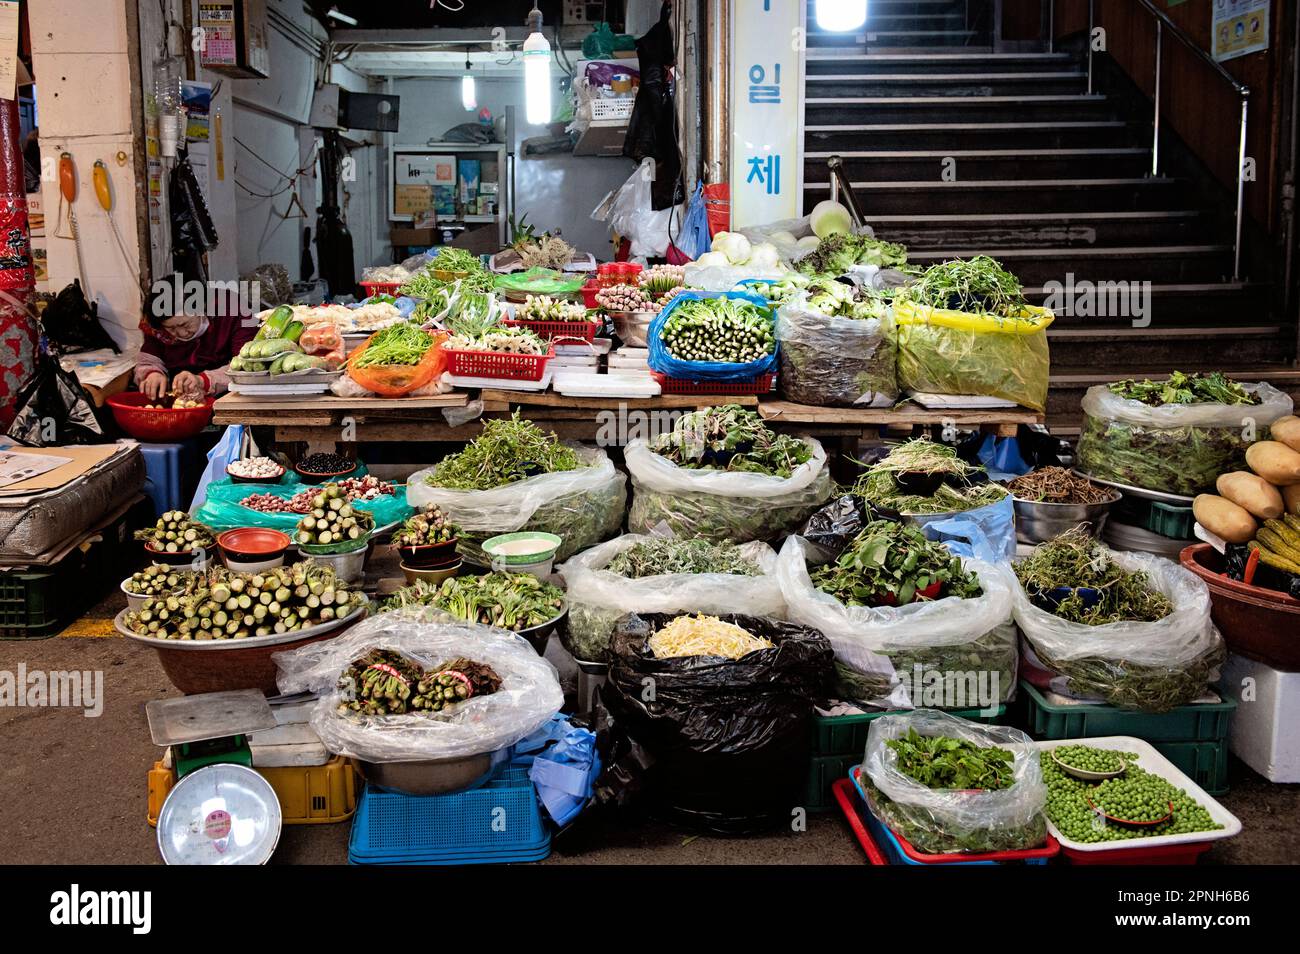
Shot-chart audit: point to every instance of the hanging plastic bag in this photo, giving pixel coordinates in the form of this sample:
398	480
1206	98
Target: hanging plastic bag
228	449
1174	448
53	409
941	351
527	699
597	597
582	506
665	363
722	505
945	821
629	212
951	653
1000	456
1154	666
836	362
730	738
694	239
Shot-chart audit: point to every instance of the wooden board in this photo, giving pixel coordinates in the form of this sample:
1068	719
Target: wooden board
319	409
788	411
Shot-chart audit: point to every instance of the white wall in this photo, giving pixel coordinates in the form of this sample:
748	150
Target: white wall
556	192
83	82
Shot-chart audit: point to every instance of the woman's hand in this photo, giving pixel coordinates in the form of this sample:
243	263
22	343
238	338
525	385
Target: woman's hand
154	386
188	384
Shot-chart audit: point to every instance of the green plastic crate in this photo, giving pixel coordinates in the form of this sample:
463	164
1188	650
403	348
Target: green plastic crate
30	603
823	772
1206	763
847	734
1204	722
1167	520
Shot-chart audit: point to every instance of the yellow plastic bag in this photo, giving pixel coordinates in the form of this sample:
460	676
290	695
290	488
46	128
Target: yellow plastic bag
941	351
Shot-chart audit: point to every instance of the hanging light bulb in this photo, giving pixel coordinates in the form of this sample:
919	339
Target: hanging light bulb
537	72
841	15
468	96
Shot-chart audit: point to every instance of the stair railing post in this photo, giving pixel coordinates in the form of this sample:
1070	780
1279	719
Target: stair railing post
1155	132
1091	22
1051	26
1241	189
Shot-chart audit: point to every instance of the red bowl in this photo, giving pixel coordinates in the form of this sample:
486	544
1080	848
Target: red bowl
163	425
252	544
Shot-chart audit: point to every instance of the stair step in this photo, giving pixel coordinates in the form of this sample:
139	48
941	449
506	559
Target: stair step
874	110
1185	304
919	164
830	60
841	136
1009	195
900	39
1135	265
951	84
1049	229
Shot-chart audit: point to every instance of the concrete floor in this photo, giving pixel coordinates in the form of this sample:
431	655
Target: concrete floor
73	789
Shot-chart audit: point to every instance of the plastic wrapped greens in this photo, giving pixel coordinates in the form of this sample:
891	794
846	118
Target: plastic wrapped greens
942	351
951	652
528	696
835	361
598	594
1177	448
718	501
1005	814
1149	665
583	505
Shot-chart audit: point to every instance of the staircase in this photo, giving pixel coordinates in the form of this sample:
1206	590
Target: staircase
1046	178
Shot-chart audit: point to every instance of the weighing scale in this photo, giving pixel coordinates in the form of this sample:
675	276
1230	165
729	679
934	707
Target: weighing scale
221	811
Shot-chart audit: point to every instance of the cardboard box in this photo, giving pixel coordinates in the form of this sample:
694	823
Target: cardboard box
469	181
413	236
481	239
412	199
1263	730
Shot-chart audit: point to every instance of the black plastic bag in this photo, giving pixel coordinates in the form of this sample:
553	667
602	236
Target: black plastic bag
1270	578
729	738
54	409
833	527
72	324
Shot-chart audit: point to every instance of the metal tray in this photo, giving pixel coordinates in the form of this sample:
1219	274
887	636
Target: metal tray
1138	491
252	642
294	377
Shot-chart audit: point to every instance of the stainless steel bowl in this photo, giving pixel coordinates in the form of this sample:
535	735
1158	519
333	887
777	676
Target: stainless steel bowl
1039	522
633	327
435	776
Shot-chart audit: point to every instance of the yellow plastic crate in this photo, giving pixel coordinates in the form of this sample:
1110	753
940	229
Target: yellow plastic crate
312	795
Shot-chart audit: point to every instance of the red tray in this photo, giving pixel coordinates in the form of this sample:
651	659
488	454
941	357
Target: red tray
762	384
848	801
1159	855
380	288
574	330
494	364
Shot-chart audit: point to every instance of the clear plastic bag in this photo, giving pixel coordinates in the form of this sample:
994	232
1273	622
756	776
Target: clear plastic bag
883	651
597	598
629	212
1149	666
1175	448
722	505
529	695
836	362
583	506
943	821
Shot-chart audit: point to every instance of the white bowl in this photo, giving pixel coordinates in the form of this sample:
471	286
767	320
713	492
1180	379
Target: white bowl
259	566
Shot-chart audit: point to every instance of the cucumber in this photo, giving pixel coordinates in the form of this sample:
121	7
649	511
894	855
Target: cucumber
277	366
293	331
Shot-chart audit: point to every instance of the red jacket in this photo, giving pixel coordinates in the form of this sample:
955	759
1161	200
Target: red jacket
209	352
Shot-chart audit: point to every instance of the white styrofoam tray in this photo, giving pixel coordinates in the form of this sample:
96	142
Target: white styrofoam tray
959	401
1150	759
598	346
502	384
604	385
276	390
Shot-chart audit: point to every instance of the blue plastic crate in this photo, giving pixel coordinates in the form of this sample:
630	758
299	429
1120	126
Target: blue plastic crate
497	823
164	467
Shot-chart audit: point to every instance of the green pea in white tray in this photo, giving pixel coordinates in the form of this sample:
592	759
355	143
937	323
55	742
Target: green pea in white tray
1150	759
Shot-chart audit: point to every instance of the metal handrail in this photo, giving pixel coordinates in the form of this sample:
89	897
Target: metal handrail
1163	23
840	184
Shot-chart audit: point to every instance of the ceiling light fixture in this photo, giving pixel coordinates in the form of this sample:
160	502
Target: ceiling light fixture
537	71
335	14
468	95
841	15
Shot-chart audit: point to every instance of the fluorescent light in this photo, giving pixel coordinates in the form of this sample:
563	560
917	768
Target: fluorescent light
468	97
334	13
841	15
537	77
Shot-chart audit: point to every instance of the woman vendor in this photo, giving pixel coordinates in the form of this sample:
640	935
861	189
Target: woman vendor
188	353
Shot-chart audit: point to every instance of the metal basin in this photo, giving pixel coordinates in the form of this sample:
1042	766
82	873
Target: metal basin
1039	522
435	776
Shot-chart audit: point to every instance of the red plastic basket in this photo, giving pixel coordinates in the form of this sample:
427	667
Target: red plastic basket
380	288
848	801
495	364
574	330
589	291
762	384
164	425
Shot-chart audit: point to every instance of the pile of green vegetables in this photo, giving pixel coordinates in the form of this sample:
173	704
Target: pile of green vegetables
513	601
1136	795
892	564
729	437
384	682
512	339
725	330
400	344
1182	388
1077	562
958	492
976	285
660	556
471	275
836	254
509	449
944	763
